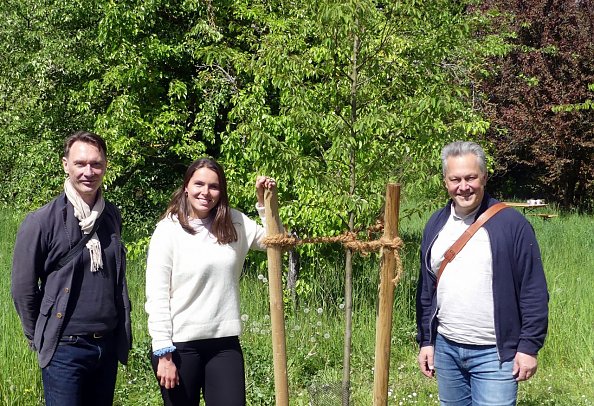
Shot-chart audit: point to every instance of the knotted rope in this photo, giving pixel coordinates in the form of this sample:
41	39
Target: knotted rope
348	240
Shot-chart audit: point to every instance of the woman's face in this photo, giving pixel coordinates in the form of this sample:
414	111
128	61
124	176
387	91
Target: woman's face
203	192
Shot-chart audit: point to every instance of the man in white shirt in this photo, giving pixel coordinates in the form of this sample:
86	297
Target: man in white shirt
482	326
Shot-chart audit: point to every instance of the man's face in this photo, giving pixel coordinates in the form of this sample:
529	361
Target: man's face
85	166
465	183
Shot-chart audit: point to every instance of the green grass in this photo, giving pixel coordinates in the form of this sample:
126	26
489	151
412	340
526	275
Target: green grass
314	329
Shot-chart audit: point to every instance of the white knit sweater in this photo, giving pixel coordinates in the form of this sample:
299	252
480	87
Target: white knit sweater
192	282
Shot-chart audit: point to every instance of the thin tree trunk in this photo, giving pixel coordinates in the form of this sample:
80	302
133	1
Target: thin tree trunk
348	329
293	275
348	285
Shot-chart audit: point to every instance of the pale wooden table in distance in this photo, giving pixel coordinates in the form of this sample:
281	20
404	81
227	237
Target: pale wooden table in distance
530	207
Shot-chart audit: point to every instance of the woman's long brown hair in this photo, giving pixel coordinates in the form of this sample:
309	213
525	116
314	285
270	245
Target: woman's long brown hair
222	225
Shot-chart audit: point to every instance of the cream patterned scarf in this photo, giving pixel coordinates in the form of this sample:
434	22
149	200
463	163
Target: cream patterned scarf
87	217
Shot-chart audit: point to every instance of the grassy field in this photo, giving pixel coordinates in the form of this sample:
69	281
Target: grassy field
314	330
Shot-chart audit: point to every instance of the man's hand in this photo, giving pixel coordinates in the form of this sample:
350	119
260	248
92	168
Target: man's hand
425	359
167	372
524	366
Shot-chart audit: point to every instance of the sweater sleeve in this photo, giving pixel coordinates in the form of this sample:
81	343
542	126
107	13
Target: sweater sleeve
158	284
258	231
27	265
425	299
534	297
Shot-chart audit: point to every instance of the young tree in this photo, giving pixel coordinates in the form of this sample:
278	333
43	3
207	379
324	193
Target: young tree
346	96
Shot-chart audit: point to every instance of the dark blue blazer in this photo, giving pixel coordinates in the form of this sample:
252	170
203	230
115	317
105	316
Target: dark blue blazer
41	293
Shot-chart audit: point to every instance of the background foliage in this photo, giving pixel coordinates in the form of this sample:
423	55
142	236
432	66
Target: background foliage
538	99
325	95
265	86
332	98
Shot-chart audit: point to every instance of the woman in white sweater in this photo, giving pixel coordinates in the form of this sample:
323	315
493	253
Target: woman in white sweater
195	258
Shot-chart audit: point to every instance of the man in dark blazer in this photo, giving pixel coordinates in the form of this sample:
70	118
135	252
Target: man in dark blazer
482	324
73	302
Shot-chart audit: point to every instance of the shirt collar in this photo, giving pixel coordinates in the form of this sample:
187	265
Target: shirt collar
463	218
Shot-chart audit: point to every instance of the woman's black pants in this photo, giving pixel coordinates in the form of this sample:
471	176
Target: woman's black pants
214	367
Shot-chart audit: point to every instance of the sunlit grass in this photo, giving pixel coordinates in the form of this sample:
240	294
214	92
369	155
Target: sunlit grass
315	329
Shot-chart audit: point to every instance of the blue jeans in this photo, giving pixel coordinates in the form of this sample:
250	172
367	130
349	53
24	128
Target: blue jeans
82	372
471	375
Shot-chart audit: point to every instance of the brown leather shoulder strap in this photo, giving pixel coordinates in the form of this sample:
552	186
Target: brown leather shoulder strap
451	252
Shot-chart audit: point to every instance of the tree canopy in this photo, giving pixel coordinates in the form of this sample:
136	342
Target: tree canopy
325	96
328	95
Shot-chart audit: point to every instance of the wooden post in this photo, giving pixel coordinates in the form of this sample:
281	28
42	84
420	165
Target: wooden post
383	330
277	318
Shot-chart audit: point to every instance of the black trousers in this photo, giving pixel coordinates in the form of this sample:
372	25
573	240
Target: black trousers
214	367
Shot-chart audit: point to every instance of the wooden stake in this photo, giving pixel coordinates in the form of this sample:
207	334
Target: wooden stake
277	317
383	330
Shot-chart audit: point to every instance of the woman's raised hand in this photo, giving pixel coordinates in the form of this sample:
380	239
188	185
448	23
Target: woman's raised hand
263	183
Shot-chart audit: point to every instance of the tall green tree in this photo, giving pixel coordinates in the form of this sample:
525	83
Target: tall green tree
134	72
326	96
42	44
264	86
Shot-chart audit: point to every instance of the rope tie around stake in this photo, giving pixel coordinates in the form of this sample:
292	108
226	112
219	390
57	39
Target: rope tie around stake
348	240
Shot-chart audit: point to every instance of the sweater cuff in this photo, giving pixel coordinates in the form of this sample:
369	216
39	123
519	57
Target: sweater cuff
162	351
528	347
261	213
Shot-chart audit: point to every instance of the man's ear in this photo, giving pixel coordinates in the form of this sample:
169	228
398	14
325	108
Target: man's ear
65	164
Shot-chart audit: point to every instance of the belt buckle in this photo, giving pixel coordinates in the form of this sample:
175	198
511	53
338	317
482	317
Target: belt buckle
97	335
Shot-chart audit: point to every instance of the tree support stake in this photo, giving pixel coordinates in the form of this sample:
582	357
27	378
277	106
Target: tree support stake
277	316
383	330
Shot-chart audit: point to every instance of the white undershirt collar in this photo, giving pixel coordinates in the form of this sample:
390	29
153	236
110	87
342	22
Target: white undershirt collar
467	216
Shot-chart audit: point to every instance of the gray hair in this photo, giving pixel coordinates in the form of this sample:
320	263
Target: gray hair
461	148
